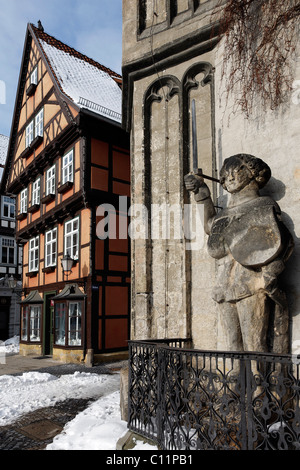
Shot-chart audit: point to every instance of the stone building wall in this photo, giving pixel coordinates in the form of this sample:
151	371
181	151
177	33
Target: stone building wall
274	137
170	58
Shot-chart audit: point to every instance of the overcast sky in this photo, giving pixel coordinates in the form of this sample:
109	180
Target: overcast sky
93	27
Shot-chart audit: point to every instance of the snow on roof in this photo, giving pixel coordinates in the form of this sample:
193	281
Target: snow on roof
85	83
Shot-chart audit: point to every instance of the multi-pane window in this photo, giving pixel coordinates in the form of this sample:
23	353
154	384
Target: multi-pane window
50	248
68	324
8	251
36	192
31	323
35	128
29	133
74	327
24	322
72	238
39	123
34	76
50	181
60	324
34	254
35	323
23	201
8	207
67	167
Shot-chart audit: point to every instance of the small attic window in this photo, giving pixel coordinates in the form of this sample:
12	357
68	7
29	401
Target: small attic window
34	76
33	82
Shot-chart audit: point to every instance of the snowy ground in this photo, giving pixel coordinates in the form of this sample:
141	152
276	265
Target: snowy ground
99	427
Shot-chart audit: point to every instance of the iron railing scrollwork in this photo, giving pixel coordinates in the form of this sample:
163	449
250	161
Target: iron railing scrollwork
185	399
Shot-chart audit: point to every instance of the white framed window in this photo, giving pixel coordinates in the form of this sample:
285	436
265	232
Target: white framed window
50	248
50	181
24	321
8	246
34	254
68	167
35	323
35	128
68	323
74	327
36	193
23	201
72	238
8	207
39	123
31	323
29	133
34	76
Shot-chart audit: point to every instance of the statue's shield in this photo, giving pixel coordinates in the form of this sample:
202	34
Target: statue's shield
254	237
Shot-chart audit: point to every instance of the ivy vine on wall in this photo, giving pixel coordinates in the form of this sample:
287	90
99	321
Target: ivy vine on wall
260	40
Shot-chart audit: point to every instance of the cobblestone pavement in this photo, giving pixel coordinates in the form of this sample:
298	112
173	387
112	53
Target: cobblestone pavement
37	429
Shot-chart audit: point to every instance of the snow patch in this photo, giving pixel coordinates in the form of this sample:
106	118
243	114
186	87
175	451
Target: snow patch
98	427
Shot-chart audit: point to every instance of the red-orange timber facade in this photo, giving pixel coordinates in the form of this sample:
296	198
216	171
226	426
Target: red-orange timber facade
67	156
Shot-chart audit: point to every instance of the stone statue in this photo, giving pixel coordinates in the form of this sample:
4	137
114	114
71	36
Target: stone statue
251	246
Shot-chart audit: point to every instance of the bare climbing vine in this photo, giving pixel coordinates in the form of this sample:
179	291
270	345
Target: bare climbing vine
260	39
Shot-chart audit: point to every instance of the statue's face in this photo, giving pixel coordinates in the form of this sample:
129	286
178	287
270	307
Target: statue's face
236	175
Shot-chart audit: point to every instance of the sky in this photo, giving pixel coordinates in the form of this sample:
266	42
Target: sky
93	27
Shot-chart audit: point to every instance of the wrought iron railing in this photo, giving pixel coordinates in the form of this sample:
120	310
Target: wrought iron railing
185	399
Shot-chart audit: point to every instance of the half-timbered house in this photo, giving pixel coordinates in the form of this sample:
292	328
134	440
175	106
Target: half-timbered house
67	156
10	257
